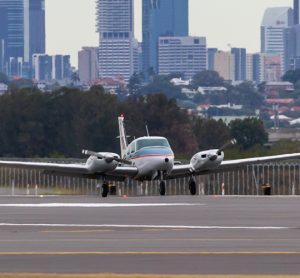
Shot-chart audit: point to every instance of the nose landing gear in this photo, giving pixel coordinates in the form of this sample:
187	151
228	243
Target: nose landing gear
162	188
192	186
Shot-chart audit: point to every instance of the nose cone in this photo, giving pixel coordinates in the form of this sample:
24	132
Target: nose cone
166	164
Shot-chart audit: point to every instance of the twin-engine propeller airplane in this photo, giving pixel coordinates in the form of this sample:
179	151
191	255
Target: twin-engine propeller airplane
146	158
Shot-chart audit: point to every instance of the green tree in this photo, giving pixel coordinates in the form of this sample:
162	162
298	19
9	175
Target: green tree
161	85
207	78
210	134
134	83
292	76
248	132
20	84
246	94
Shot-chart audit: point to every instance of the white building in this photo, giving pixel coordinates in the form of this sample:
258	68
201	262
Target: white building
117	45
187	55
275	21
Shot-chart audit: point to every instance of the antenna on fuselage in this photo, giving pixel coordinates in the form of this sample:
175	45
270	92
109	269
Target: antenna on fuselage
147	131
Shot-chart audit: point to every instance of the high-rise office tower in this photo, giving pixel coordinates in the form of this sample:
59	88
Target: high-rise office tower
36	23
161	18
249	67
211	52
47	68
116	38
240	58
274	23
22	31
11	30
187	55
296	12
292	47
88	64
224	64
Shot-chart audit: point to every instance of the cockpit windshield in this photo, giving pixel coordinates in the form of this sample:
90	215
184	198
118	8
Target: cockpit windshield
152	142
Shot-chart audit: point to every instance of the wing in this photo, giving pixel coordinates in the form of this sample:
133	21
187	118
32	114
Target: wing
73	170
180	171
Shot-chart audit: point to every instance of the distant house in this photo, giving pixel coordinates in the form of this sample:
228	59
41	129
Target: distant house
110	84
274	88
285	101
211	90
180	82
189	93
3	88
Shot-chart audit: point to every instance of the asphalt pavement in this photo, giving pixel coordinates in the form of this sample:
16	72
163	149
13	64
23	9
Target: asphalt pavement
150	235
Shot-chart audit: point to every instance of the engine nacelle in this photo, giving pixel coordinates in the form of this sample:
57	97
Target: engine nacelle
207	160
102	165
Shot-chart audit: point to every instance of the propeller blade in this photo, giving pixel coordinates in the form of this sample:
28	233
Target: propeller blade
108	159
230	143
87	152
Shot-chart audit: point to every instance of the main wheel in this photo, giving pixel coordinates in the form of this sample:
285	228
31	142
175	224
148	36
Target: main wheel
105	189
162	188
192	187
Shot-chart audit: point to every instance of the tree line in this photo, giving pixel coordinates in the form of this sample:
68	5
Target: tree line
63	122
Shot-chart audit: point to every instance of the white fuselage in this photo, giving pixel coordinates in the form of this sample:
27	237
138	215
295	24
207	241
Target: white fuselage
152	156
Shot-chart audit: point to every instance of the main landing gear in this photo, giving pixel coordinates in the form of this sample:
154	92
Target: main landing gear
192	186
105	189
103	186
162	188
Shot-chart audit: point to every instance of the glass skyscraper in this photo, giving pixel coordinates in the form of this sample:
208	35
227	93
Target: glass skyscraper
36	25
22	31
296	12
116	38
240	59
161	18
11	30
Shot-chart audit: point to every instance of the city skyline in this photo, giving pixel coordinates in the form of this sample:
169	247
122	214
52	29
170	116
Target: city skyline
218	25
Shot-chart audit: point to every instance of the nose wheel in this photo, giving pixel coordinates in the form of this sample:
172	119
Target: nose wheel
192	187
162	188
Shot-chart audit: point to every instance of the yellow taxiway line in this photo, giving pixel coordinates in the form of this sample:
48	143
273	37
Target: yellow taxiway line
109	275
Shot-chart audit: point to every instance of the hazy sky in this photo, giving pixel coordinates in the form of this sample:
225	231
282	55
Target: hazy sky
71	24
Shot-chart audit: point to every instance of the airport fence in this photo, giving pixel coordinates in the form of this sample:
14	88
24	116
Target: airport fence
281	178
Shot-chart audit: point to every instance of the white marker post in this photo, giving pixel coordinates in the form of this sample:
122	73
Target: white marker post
13	187
223	189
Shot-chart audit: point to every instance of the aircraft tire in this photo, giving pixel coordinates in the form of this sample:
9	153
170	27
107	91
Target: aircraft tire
162	188
192	187
105	189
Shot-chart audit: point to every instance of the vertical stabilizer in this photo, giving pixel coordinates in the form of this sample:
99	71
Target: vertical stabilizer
123	138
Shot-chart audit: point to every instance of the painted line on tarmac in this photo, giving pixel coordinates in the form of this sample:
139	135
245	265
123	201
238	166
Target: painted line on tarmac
95	205
68	253
146	226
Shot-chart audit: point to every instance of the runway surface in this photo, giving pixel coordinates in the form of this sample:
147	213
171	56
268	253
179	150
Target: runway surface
156	235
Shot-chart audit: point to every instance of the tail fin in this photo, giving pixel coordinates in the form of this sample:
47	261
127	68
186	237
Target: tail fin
123	138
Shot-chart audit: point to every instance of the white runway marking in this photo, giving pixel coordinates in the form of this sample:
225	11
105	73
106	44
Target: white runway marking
147	226
96	205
